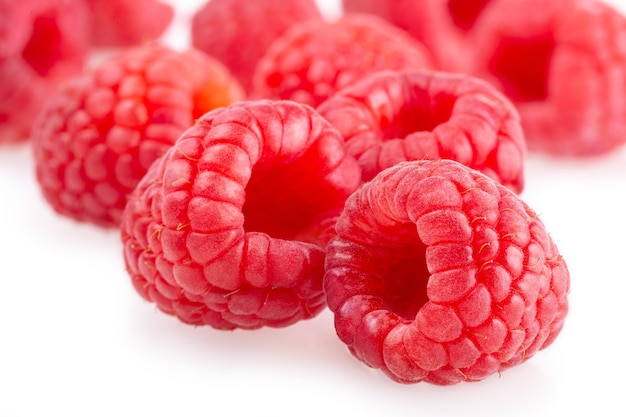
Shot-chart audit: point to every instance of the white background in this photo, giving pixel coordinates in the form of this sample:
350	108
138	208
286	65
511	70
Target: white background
76	340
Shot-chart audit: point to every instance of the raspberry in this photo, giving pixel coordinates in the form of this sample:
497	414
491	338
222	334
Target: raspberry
58	43
42	44
99	134
440	274
128	22
14	27
395	116
238	32
222	230
314	59
22	92
442	25
563	64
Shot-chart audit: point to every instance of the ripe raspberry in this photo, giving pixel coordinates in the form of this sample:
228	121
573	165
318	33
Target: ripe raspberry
128	22
58	43
314	59
98	135
395	116
442	25
15	24
221	230
22	92
238	32
563	64
440	274
42	43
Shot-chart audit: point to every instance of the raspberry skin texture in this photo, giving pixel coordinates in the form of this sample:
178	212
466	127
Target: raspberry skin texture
42	44
439	274
443	26
223	229
238	32
394	116
315	59
98	135
124	23
563	64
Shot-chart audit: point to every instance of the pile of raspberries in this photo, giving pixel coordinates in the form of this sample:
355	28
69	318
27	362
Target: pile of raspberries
286	162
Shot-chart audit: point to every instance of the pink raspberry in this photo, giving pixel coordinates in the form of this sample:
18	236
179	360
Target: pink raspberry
314	59
15	25
128	22
58	43
395	116
442	25
98	135
223	230
238	32
42	44
563	64
22	91
440	274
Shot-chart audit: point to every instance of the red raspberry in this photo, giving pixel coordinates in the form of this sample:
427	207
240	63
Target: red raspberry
58	43
442	25
563	64
219	231
22	93
238	32
98	135
15	24
440	274
42	43
395	116
128	22
314	59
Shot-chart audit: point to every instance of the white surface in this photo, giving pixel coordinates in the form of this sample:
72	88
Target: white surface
77	340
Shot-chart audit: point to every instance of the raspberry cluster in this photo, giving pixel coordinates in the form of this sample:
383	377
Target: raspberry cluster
286	162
